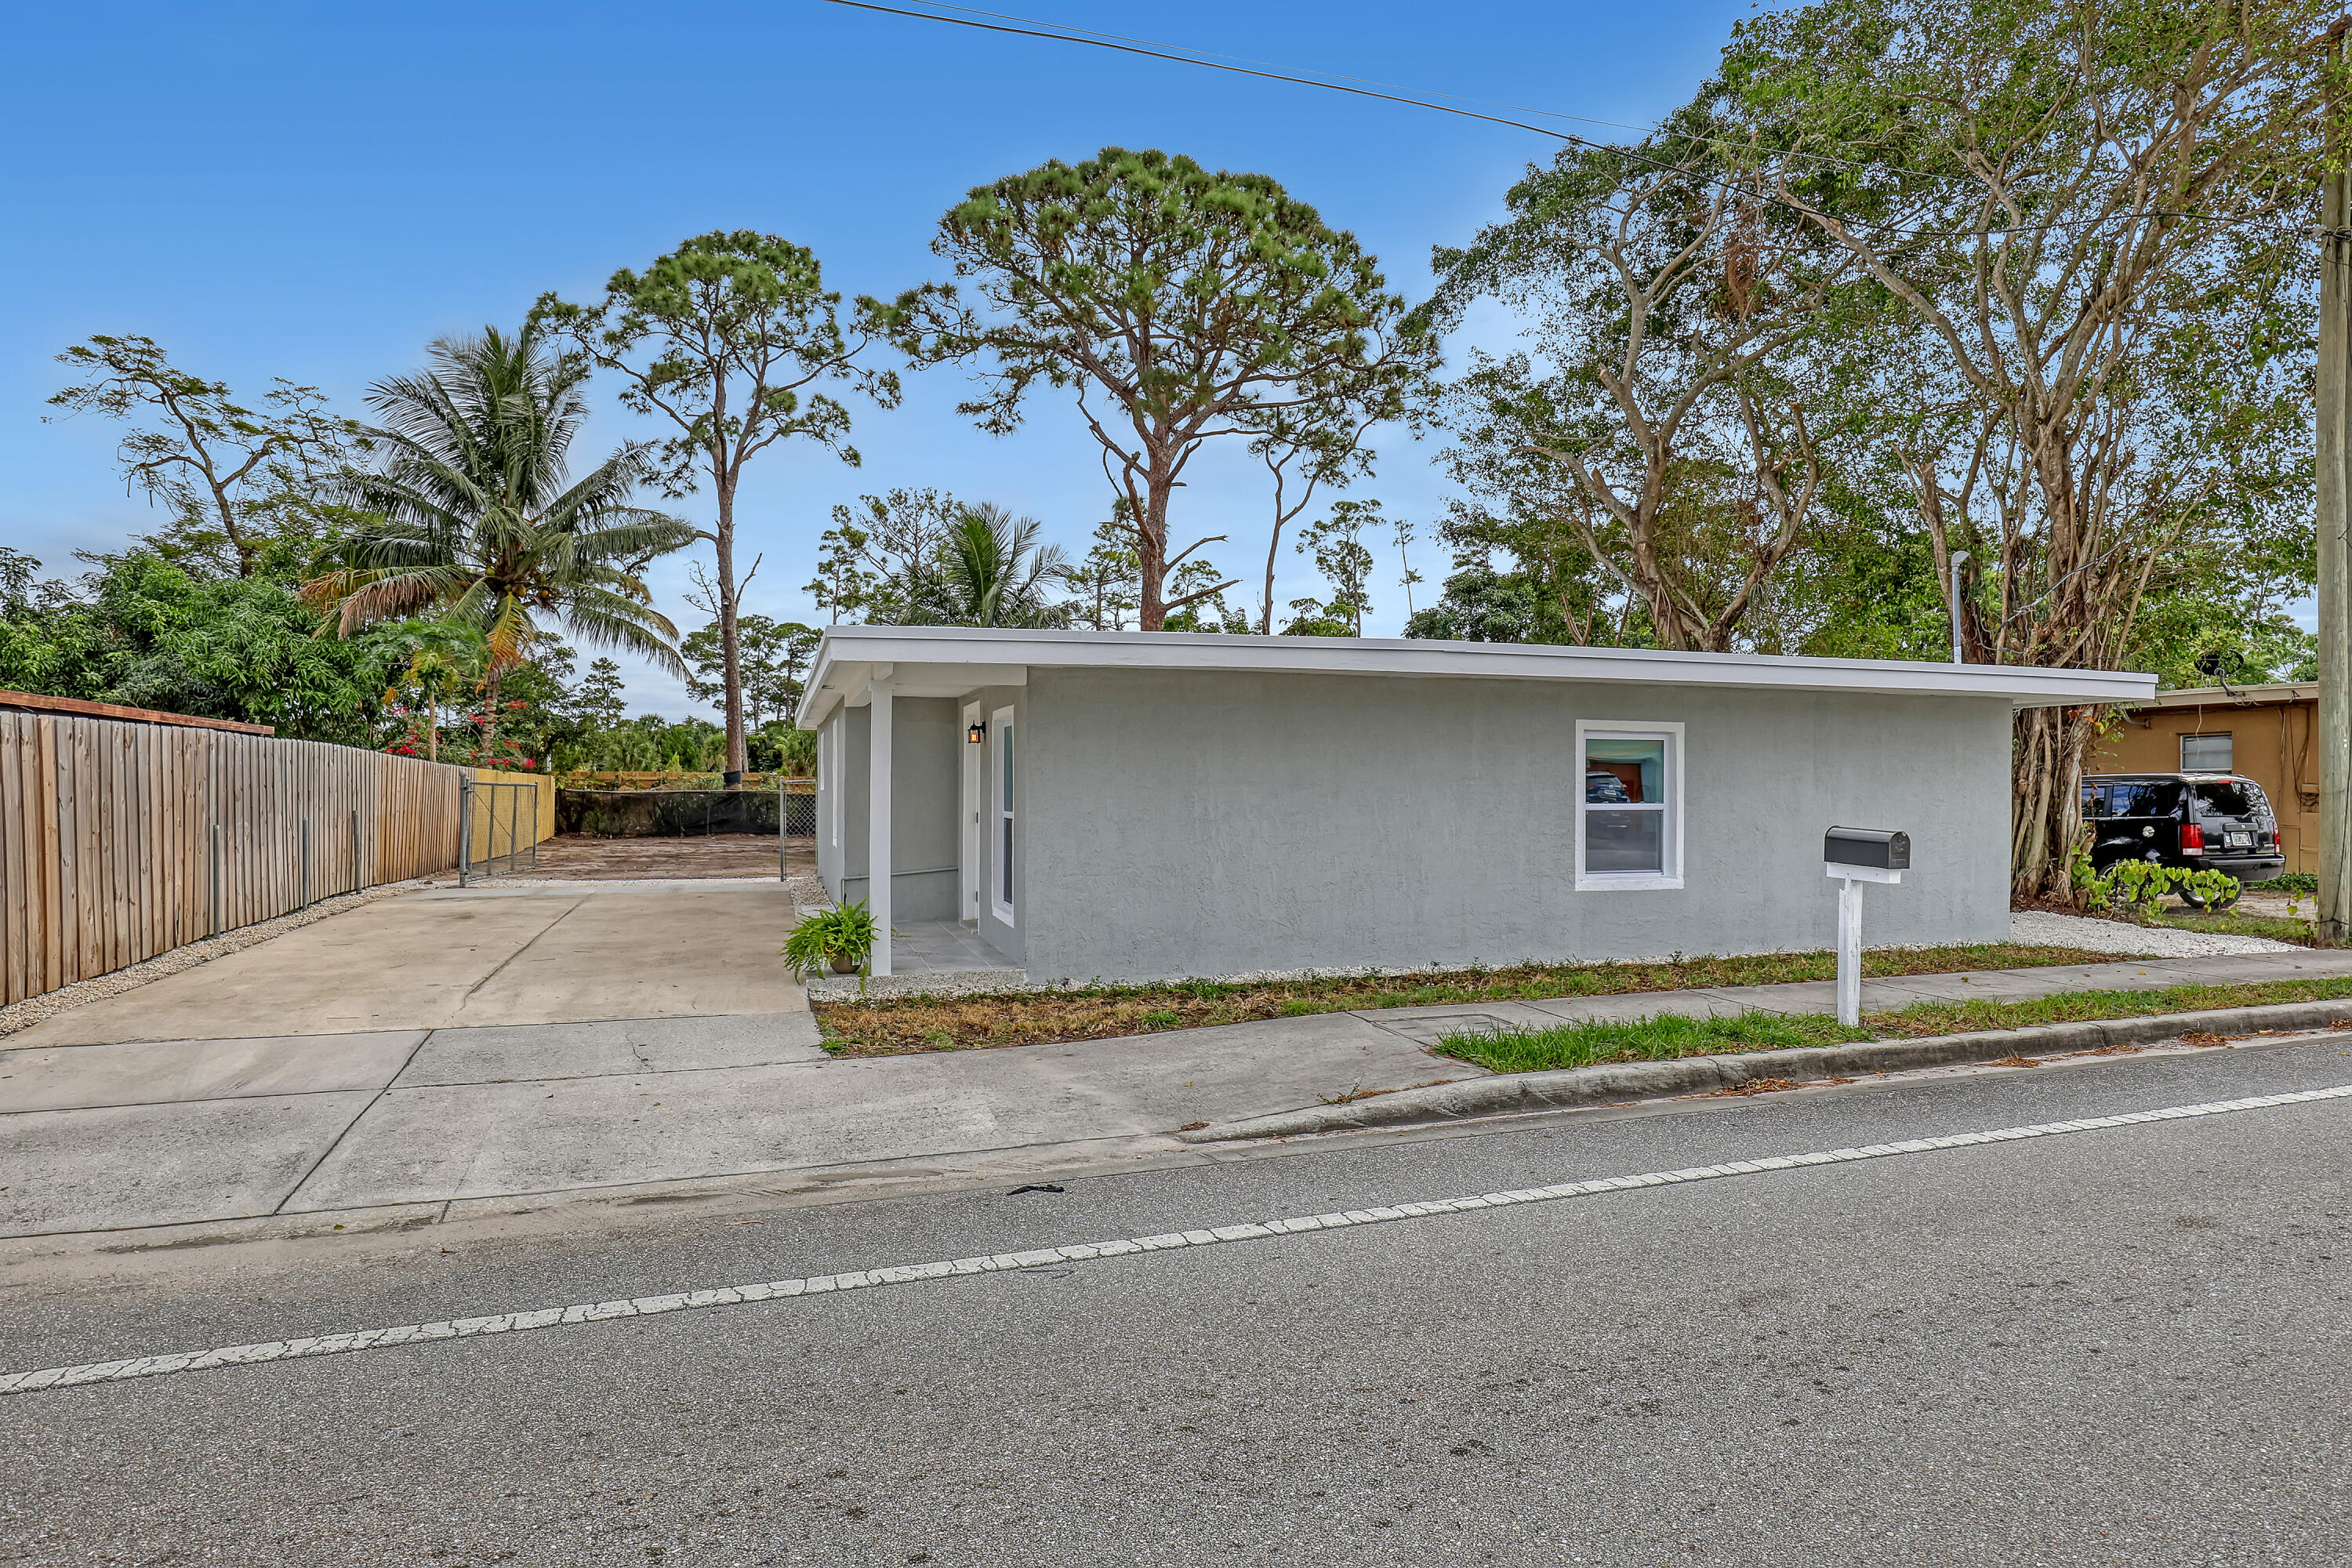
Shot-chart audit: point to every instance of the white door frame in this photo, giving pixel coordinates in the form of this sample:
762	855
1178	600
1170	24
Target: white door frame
974	839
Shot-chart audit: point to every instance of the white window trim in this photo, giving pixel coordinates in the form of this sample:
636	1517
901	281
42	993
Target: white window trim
1634	881
1000	724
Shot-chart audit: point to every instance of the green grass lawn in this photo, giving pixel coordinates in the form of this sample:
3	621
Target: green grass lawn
887	1025
1667	1036
2236	922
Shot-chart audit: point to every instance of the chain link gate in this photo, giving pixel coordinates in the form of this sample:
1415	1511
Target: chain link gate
497	828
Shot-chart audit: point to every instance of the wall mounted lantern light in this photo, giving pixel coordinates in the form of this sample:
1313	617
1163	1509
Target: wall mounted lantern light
976	734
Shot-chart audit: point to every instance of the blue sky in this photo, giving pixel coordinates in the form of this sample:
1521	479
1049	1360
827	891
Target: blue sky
317	191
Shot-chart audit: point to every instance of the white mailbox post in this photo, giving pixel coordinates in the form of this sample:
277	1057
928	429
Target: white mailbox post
1854	856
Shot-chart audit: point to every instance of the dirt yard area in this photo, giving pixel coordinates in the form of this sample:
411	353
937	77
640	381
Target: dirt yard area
574	857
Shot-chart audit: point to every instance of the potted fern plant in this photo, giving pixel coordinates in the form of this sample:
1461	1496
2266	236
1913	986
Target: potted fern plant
840	939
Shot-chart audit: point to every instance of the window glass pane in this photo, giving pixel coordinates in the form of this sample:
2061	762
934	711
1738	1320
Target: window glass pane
1625	772
2205	754
1004	863
2094	800
1624	840
2156	797
1004	757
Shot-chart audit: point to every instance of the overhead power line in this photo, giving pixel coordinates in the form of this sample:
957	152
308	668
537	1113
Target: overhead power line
1108	41
1029	27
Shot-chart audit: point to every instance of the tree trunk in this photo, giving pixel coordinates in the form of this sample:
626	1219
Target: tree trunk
2046	807
432	731
236	539
1265	612
730	644
487	756
1151	551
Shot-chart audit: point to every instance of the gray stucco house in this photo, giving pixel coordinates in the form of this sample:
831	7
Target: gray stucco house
1155	805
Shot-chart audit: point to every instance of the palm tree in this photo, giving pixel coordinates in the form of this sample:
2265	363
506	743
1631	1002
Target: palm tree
476	522
994	573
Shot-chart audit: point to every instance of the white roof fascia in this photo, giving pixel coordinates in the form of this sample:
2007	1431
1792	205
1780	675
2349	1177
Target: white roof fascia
961	655
2238	697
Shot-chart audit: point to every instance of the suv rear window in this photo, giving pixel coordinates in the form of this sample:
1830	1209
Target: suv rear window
2228	797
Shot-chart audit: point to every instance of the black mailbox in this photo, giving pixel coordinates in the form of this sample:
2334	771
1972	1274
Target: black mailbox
1881	847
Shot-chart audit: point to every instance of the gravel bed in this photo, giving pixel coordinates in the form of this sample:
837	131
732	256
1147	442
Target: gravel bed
2040	928
17	1017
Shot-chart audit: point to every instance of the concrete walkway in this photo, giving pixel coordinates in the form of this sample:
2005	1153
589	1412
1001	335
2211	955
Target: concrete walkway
424	1120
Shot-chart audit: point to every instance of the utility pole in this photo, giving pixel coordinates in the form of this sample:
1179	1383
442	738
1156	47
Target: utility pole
2335	516
1959	558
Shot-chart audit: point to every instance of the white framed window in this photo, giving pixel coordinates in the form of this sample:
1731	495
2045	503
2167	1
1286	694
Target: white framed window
831	736
1001	772
2207	753
1629	805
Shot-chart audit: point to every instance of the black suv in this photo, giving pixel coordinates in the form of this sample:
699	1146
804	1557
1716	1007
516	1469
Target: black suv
2221	821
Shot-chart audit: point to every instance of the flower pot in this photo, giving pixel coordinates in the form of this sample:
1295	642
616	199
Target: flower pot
842	963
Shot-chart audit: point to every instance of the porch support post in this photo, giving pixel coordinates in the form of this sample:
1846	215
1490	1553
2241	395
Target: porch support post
877	822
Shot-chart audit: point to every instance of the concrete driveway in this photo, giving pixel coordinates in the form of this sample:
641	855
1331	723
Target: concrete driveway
462	1046
453	958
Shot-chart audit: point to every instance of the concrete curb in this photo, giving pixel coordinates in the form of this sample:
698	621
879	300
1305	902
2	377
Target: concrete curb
1572	1086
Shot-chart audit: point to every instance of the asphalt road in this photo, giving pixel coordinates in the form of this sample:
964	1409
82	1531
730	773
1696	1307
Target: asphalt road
2126	1345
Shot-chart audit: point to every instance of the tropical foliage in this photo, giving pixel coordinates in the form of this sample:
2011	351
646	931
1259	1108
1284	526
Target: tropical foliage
477	522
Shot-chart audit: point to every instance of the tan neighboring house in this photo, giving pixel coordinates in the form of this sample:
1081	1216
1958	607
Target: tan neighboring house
2261	732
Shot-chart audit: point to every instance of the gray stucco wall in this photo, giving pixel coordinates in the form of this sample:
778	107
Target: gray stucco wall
926	750
1181	823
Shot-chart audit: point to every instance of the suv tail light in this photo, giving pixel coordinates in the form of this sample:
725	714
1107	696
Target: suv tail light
2192	839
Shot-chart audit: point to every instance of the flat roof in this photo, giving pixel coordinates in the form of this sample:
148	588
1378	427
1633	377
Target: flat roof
948	661
2237	696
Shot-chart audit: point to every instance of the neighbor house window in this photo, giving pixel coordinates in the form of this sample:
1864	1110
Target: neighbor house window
1001	776
1629	828
2205	754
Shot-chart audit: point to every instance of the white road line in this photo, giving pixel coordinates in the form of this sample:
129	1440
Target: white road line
859	1279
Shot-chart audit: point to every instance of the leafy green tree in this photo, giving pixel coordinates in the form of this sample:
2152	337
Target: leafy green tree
772	655
147	632
233	475
1337	543
478	523
725	338
1106	581
2090	215
599	696
1305	450
1179	305
876	560
447	660
1208	611
1481	604
1685	336
18	574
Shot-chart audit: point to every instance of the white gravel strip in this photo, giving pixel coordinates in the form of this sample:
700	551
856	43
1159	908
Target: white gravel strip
2038	928
132	1367
20	1016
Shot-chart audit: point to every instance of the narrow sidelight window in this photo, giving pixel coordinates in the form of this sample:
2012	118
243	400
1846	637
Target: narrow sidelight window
1000	794
1629	806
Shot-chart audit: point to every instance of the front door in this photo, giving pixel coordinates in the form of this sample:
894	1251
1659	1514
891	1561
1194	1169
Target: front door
974	838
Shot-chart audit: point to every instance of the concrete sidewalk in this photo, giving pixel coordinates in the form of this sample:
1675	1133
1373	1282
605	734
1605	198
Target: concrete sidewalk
422	1121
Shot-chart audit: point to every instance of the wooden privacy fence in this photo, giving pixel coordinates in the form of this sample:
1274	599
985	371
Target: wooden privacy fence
121	840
